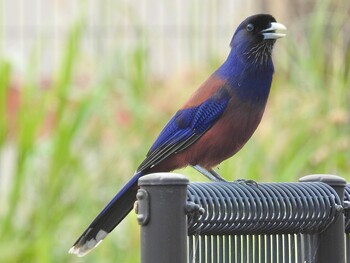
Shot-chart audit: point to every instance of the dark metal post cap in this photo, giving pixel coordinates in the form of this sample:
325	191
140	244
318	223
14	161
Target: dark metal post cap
163	179
333	180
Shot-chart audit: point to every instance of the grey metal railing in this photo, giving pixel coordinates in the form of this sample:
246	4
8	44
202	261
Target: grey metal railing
347	221
239	222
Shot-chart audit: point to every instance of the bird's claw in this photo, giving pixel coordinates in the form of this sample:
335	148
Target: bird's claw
247	182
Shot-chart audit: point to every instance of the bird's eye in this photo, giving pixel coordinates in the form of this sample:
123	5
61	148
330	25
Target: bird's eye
250	27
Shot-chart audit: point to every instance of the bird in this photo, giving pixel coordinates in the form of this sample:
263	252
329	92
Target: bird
211	126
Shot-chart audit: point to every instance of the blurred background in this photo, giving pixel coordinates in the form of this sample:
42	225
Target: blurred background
85	87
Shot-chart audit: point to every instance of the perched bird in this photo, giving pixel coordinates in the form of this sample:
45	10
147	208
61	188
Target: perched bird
215	123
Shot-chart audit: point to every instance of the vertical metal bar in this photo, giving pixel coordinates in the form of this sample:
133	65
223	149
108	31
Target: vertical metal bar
245	248
227	249
300	248
221	248
202	248
280	248
250	248
209	249
274	248
233	249
190	249
268	248
329	246
307	248
292	248
196	248
239	248
347	248
256	249
262	249
215	248
286	247
162	216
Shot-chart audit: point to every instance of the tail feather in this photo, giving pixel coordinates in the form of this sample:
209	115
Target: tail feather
116	210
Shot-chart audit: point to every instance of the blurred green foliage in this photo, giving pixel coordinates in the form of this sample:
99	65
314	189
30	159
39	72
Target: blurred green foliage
72	147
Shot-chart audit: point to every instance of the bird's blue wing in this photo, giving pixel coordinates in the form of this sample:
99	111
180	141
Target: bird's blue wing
186	127
183	129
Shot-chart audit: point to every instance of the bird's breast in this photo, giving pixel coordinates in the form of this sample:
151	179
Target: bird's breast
228	135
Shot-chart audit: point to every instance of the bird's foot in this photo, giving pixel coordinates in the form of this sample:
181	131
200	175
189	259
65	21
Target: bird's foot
247	182
211	174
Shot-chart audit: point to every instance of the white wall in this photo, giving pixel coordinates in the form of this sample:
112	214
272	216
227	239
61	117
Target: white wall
175	32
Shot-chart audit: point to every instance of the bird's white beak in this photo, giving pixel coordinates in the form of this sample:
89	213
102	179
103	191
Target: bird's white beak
270	33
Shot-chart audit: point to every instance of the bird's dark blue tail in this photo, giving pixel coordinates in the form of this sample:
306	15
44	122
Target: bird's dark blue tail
108	219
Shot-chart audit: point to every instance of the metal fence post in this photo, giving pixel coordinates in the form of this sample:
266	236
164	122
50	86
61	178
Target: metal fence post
161	214
328	246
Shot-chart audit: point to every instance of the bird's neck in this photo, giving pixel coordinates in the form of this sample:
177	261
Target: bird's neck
248	80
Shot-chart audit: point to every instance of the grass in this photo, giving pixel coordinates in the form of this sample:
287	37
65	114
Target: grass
68	147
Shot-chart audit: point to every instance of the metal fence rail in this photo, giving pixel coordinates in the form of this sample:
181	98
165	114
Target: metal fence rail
235	208
347	205
347	221
246	248
259	223
239	222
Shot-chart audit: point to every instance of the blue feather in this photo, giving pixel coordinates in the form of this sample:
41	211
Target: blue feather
194	120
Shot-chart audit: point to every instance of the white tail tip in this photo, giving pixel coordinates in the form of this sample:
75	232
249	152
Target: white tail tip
83	247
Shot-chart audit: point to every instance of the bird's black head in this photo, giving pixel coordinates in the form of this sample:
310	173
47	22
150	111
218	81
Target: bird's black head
255	37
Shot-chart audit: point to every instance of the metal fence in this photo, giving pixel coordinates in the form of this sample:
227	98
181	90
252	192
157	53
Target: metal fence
244	222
